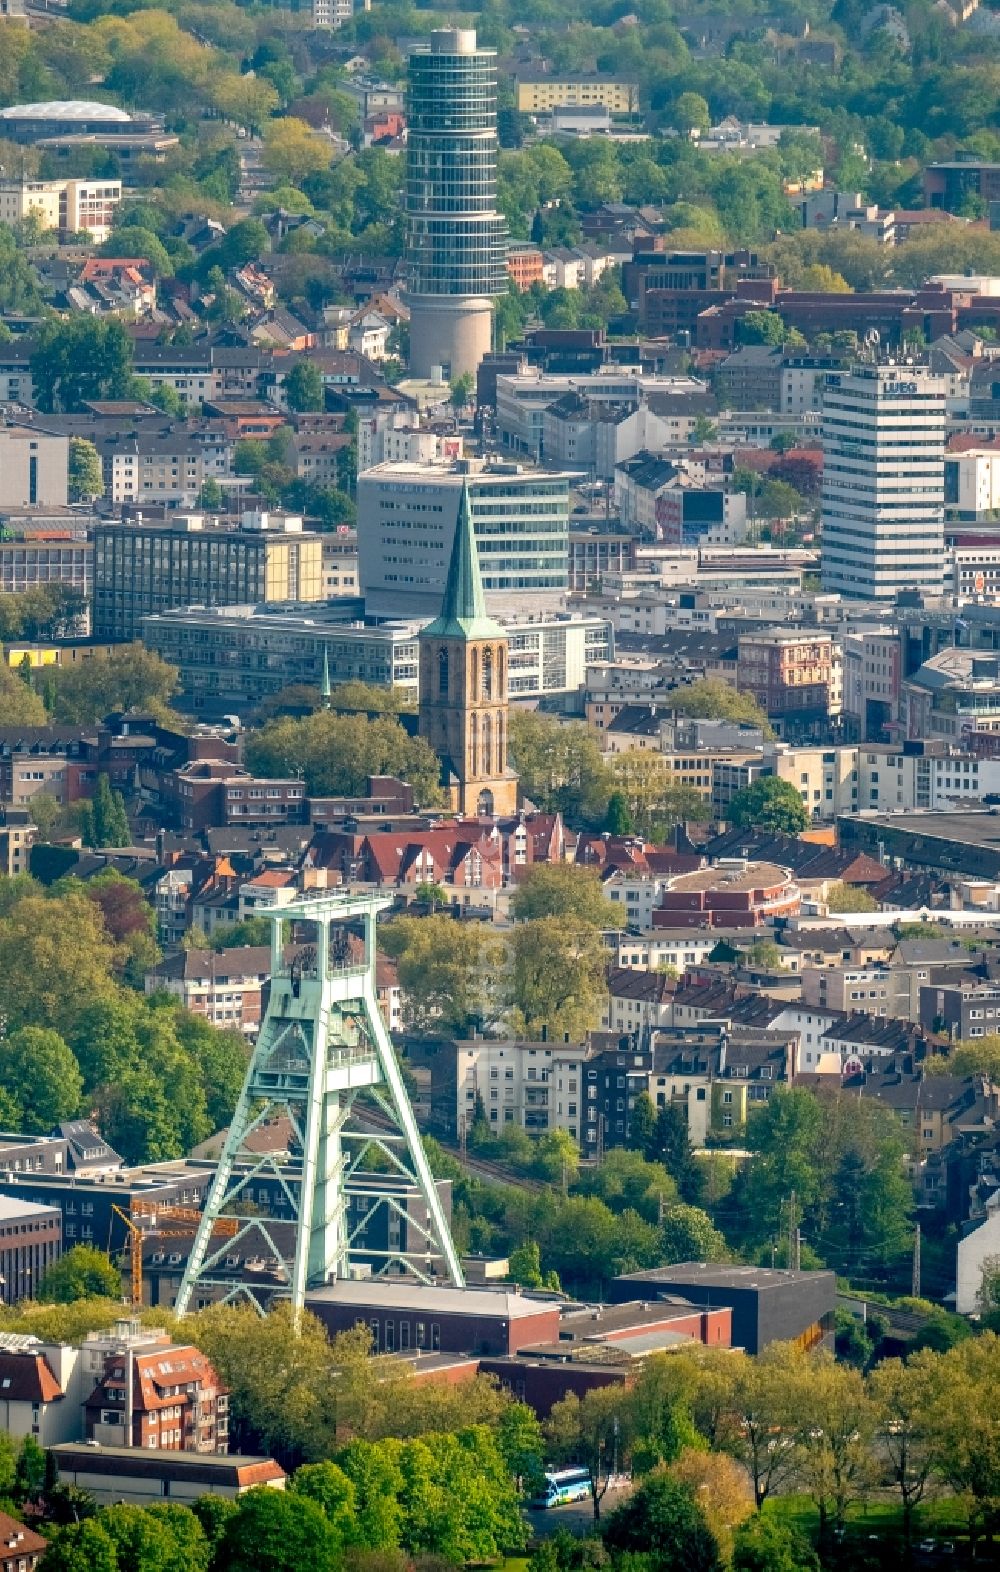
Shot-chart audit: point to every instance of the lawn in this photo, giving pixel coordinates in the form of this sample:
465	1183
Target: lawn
941	1518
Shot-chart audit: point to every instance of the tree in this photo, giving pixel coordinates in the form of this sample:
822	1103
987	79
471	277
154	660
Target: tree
556	1158
589	1432
850	898
252	931
81	1547
721	1490
560	889
761	327
670	1144
905	1397
758	1401
19	705
836	1425
524	1266
691	113
765	1544
662	1520
210	497
85	478
688	1234
522	1444
769	803
964	1430
712	699
39	1070
655	802
333	1493
30	1472
77	358
104	821
281	1377
560	766
129	919
158	1538
130	678
447	971
462	389
337	753
557	977
293	150
46	813
303	386
55	962
82	1273
618	820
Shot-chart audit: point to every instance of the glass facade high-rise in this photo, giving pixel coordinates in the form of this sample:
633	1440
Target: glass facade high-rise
456	239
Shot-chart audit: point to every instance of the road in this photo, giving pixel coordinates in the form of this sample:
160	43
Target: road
577	1516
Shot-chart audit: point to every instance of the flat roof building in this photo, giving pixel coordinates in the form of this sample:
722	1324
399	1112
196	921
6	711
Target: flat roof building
769	1306
406	524
132	1474
403	1315
143	569
883	481
235	656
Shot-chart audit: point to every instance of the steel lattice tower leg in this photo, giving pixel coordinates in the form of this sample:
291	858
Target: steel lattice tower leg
322	1044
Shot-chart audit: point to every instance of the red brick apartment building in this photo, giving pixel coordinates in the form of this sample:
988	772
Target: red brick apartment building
178	1403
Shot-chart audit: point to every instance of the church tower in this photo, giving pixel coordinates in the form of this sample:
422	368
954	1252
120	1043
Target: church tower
463	687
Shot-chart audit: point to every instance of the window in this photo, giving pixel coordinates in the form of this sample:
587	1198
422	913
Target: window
421	1338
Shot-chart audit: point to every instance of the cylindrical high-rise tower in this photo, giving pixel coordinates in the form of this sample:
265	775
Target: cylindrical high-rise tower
456	237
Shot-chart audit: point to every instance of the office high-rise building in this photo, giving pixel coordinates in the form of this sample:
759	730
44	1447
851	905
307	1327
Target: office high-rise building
455	236
883	481
407	515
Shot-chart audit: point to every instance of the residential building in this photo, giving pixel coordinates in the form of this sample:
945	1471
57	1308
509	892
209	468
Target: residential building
66	206
536	1086
21	1548
456	238
524	263
18	833
791	675
210	792
33	468
543	93
176	1404
144	569
883	481
407	517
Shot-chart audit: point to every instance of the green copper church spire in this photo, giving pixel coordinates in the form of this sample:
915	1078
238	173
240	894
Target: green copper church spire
463	609
324	687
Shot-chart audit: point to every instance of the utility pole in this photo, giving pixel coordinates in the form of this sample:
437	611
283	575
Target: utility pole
792	1231
798	1249
916	1263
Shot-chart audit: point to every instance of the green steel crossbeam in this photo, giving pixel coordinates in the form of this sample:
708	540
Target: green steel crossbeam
322	1045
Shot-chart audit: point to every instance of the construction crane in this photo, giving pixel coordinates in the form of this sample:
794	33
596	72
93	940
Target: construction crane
147	1211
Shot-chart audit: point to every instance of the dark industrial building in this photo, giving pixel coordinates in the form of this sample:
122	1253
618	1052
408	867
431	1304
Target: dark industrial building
768	1306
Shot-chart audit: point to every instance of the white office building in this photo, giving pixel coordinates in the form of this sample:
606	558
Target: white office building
406	521
883	481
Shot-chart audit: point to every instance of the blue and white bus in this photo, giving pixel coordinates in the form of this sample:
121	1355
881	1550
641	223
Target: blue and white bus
563	1485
